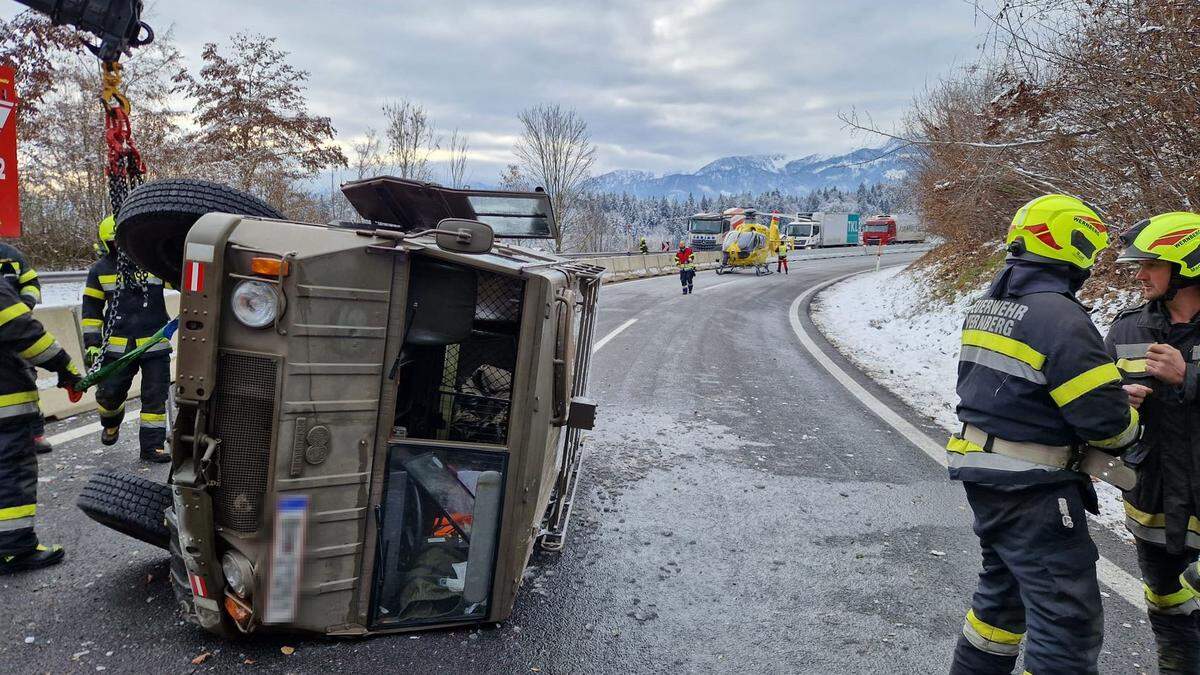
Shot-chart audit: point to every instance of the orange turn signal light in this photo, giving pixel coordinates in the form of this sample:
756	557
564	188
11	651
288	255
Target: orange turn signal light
238	611
271	267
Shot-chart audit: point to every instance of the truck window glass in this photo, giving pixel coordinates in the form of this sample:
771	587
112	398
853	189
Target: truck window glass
455	371
438	526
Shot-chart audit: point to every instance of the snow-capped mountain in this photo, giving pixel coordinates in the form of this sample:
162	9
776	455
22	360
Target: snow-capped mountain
763	173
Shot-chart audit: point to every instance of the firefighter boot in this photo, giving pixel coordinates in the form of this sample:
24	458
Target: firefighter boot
156	455
110	436
42	556
1191	578
1176	637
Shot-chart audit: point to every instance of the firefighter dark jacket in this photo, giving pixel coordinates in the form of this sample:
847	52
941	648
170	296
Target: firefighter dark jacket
1164	506
138	314
15	269
23	343
1033	368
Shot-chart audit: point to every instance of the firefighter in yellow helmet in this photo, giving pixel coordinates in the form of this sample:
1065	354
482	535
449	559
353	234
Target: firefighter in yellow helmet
1156	346
1041	408
131	305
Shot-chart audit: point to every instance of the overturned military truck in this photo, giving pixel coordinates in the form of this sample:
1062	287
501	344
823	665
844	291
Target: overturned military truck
376	422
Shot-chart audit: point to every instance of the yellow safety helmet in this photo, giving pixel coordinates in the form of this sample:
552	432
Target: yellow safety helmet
1059	229
106	233
1173	237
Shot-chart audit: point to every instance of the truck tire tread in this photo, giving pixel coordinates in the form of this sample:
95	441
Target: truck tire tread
129	504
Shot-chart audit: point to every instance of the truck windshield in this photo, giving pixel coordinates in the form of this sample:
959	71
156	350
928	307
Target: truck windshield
875	227
799	230
704	226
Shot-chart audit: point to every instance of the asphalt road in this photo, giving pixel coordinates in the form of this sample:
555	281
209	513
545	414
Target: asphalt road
739	511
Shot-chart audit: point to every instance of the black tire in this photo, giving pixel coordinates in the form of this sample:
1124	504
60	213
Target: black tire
154	220
129	504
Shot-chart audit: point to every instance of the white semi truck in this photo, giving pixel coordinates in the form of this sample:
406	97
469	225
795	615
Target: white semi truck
822	229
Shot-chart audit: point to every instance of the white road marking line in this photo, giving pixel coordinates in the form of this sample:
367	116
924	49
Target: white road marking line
617	331
1109	573
77	432
709	288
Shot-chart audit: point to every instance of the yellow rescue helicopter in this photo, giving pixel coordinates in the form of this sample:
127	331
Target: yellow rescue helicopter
748	244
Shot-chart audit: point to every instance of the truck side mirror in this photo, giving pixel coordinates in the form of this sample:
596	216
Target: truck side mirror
464	236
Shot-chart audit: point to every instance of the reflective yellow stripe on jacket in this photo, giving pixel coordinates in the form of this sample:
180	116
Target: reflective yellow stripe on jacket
1006	346
1084	382
19	403
12	311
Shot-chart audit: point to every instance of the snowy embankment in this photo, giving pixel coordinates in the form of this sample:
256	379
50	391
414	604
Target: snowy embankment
886	325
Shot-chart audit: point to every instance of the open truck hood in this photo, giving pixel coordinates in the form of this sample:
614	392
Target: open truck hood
412	205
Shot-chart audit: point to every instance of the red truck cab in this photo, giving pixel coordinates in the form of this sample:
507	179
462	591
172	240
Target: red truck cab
880	230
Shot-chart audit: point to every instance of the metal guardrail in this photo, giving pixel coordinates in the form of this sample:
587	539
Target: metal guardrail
73	276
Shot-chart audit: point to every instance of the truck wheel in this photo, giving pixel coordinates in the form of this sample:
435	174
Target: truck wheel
129	504
155	218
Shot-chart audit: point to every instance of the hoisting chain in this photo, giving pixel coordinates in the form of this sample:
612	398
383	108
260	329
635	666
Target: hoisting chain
125	171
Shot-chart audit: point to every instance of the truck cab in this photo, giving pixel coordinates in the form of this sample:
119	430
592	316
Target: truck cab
879	231
706	231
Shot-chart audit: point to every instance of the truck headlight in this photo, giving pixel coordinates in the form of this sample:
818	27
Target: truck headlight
257	304
239	574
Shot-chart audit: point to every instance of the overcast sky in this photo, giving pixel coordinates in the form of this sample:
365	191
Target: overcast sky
664	85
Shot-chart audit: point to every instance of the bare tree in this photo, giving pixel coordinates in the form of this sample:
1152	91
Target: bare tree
411	139
556	151
367	157
512	179
458	158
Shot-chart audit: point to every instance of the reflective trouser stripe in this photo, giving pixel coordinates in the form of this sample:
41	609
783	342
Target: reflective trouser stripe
1181	602
12	311
16	524
1001	362
18	513
1084	382
153	420
20	403
105	412
1127	435
1004	345
991	639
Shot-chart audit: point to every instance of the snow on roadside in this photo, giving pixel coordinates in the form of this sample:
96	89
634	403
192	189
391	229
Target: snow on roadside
885	324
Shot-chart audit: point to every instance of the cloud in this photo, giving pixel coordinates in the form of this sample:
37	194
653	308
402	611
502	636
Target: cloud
665	85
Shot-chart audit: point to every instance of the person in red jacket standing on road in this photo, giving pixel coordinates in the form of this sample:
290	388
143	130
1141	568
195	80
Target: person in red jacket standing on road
685	260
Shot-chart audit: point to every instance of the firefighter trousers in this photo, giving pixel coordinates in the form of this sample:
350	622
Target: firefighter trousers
686	278
781	264
1038	583
18	485
156	378
1170	607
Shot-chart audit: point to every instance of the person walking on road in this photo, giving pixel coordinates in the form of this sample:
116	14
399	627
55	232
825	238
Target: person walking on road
685	261
23	279
642	247
1156	346
23	343
782	252
1041	407
132	311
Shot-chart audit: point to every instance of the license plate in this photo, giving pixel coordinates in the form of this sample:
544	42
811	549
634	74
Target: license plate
287	559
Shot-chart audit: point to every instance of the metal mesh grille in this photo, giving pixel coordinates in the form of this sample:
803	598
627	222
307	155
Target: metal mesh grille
244	412
477	375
